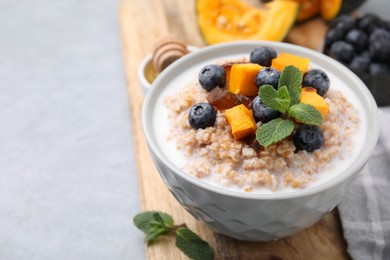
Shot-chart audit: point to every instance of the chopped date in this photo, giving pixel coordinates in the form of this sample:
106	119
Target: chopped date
222	99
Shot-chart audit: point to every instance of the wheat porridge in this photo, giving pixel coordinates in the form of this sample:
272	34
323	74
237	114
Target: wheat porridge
232	152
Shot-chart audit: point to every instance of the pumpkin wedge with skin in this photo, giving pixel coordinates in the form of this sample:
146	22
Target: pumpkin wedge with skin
231	20
308	9
330	9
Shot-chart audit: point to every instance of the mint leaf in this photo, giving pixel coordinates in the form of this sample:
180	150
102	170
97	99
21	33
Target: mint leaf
283	99
274	131
268	95
192	245
306	114
142	221
155	233
153	224
276	99
291	77
162	219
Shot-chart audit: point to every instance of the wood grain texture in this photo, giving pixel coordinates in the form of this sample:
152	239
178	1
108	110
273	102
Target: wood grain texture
142	22
309	34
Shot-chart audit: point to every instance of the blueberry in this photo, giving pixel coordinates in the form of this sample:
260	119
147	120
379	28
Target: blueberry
263	113
342	51
317	79
365	53
358	38
369	22
263	56
211	76
334	34
202	115
308	137
380	45
377	69
344	23
385	25
360	63
268	76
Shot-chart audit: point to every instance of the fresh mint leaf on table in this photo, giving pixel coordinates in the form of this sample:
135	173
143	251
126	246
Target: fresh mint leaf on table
285	100
192	245
155	224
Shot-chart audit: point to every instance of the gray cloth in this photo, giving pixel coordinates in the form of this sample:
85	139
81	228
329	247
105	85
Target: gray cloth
68	182
365	210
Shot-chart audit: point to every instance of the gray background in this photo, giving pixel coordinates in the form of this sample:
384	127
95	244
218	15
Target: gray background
68	186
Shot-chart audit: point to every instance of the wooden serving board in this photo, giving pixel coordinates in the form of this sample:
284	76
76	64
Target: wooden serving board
142	22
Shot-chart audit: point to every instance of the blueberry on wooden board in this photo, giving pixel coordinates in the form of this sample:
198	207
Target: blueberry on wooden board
342	51
378	69
358	38
380	45
334	34
360	63
344	23
369	23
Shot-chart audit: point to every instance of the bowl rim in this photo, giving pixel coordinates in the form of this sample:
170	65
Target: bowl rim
362	156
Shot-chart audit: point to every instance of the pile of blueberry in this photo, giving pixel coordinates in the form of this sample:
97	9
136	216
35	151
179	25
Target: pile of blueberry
362	43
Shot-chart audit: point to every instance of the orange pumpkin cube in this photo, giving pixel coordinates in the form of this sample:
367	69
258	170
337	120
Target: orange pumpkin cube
242	79
241	121
309	96
286	59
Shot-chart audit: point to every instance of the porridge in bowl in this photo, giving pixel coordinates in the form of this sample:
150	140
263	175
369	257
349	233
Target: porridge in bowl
269	122
204	167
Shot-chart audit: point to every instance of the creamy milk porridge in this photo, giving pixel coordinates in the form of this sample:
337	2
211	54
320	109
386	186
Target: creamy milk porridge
215	157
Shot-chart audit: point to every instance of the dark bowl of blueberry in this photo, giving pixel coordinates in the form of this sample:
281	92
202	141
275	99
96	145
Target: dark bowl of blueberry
362	43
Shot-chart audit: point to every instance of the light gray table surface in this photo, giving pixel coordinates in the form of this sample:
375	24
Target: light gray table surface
68	186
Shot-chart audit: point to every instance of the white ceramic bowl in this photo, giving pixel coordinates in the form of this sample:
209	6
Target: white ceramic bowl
251	216
146	70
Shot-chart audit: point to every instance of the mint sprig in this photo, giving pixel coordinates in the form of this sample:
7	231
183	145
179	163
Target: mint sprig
292	78
285	100
276	99
155	224
274	131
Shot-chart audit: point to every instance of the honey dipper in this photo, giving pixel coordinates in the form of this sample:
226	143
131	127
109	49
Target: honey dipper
166	50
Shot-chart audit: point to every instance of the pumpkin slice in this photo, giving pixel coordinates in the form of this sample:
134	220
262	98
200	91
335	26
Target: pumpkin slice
308	9
330	9
232	20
